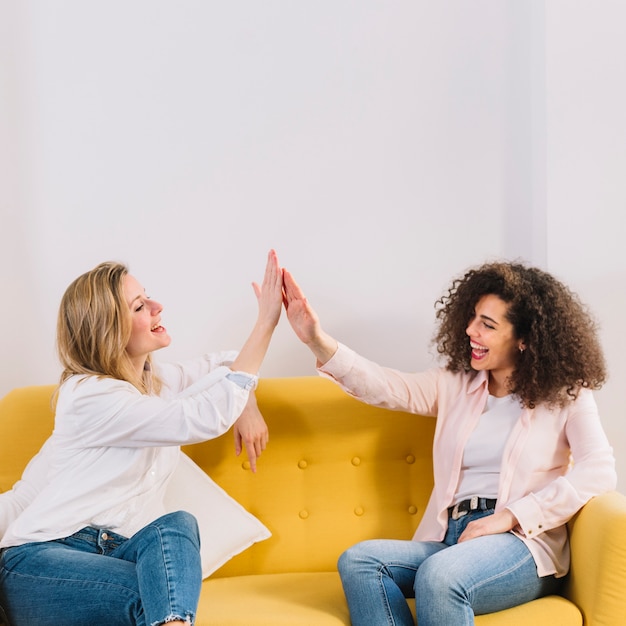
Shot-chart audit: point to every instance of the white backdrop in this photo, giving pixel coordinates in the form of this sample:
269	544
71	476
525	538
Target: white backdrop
381	148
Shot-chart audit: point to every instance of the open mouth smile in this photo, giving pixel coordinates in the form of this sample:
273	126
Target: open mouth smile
478	352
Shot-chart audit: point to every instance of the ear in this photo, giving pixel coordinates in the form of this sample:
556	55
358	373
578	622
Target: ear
522	346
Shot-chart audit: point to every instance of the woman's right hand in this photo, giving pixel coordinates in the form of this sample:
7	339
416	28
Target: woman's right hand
269	293
305	322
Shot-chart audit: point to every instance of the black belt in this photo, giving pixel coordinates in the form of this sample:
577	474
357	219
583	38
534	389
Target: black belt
473	504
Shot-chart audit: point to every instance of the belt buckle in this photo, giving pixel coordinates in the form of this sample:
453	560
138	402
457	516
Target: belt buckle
456	514
473	505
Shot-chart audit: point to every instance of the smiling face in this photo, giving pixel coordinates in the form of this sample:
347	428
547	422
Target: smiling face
495	348
147	334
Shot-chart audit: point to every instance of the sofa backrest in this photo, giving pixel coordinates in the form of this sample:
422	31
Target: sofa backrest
335	472
26	421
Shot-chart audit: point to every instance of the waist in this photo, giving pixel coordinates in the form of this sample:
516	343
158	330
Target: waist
475	503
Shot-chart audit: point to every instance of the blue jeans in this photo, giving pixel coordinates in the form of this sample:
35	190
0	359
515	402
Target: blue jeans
450	581
97	577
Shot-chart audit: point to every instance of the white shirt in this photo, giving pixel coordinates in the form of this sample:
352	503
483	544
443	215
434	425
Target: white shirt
482	457
113	449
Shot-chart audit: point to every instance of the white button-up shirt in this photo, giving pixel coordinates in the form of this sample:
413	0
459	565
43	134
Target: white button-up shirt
113	449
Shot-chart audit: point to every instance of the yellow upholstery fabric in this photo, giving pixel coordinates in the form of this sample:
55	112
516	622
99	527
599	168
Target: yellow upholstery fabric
275	600
26	421
597	579
337	471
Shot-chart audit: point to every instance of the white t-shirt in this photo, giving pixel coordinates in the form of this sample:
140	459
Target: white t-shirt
482	458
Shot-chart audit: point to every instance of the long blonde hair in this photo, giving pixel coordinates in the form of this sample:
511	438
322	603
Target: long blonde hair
94	327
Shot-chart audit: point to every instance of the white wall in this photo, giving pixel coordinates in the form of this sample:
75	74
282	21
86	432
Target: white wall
586	182
381	148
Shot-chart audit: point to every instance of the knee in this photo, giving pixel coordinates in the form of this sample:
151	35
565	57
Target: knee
433	579
183	520
180	523
358	558
344	562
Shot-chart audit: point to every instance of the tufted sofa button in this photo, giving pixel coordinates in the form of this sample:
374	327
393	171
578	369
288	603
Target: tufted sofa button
358	511
246	465
304	514
356	461
412	509
302	464
410	459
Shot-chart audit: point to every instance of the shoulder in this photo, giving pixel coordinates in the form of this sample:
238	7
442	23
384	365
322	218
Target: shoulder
469	382
79	391
584	404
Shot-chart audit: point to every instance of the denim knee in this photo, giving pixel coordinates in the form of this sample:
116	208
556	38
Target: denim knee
432	580
181	521
353	556
343	563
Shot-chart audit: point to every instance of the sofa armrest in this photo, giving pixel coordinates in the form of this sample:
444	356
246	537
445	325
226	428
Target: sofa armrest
598	570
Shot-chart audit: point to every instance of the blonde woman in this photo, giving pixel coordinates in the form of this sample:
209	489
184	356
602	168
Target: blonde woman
85	537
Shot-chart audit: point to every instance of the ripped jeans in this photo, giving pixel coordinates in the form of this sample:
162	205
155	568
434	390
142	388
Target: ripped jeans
97	577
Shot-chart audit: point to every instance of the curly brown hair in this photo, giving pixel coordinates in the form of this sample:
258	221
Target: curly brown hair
563	353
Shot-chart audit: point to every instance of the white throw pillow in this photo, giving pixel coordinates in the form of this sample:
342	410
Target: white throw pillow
226	528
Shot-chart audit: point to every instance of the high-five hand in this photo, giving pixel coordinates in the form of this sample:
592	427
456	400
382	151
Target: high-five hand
269	296
305	322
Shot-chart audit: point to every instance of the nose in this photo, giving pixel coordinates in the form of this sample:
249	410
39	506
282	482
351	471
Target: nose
470	330
157	307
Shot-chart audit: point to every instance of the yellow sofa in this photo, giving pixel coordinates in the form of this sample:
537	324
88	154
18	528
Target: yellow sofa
335	472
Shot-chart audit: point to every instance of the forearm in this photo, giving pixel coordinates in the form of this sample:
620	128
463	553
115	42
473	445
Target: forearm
323	346
253	352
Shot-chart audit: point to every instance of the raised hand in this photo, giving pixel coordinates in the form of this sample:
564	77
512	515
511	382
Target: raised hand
269	296
305	322
269	293
300	314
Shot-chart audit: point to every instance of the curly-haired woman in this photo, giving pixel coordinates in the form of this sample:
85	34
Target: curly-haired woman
518	447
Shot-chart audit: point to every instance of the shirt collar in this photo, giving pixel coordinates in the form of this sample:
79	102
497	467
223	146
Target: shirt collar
480	379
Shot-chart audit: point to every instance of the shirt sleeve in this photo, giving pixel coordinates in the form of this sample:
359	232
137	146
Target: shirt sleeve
592	473
178	376
33	479
383	386
97	412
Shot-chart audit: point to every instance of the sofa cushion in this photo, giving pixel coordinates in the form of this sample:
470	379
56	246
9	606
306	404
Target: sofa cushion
317	598
274	600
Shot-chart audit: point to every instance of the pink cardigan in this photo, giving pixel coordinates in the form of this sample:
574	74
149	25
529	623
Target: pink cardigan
538	482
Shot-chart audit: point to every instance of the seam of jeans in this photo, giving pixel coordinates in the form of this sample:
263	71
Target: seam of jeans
507	571
390	619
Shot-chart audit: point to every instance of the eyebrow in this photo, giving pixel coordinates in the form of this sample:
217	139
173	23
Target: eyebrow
135	299
486	317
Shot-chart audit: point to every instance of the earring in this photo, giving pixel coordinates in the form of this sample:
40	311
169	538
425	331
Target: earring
521	348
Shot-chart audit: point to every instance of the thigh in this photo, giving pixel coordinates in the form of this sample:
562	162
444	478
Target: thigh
398	559
493	573
70	586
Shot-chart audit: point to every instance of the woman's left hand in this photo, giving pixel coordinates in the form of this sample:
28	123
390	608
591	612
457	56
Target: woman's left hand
251	432
500	522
